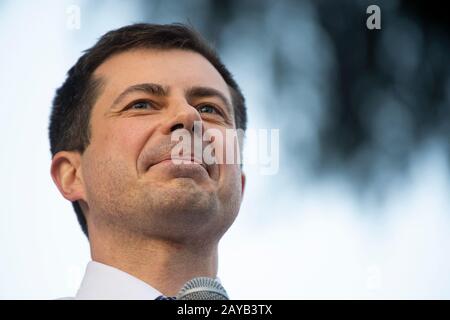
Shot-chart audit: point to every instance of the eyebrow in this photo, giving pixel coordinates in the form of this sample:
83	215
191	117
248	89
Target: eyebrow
162	91
150	88
206	92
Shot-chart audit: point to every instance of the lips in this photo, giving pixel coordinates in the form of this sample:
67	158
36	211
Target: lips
181	160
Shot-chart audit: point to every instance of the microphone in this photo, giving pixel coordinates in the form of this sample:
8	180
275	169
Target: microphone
202	288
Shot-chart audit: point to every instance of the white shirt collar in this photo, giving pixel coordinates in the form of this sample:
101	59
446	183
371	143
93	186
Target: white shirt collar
103	282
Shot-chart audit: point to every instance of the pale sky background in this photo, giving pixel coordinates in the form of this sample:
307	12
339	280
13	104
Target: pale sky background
294	238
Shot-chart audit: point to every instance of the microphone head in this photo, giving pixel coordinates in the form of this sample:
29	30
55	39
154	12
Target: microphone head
202	288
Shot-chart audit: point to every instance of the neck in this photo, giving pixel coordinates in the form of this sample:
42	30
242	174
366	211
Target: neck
163	264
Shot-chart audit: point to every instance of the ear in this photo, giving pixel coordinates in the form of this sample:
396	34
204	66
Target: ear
66	174
243	182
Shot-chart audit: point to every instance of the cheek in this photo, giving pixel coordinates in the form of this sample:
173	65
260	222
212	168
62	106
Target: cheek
230	188
122	140
109	163
225	144
106	180
230	178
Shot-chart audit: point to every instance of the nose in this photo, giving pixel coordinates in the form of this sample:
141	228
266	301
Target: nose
183	116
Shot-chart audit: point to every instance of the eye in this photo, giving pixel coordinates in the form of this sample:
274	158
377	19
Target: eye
208	108
141	105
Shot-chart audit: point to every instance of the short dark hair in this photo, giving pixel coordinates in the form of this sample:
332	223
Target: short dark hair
69	127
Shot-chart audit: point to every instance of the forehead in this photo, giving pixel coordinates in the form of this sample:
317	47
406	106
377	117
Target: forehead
175	68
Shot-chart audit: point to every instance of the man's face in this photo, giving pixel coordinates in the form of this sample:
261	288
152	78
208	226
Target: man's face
146	96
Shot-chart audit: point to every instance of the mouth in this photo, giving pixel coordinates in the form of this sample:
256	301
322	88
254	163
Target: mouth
182	161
